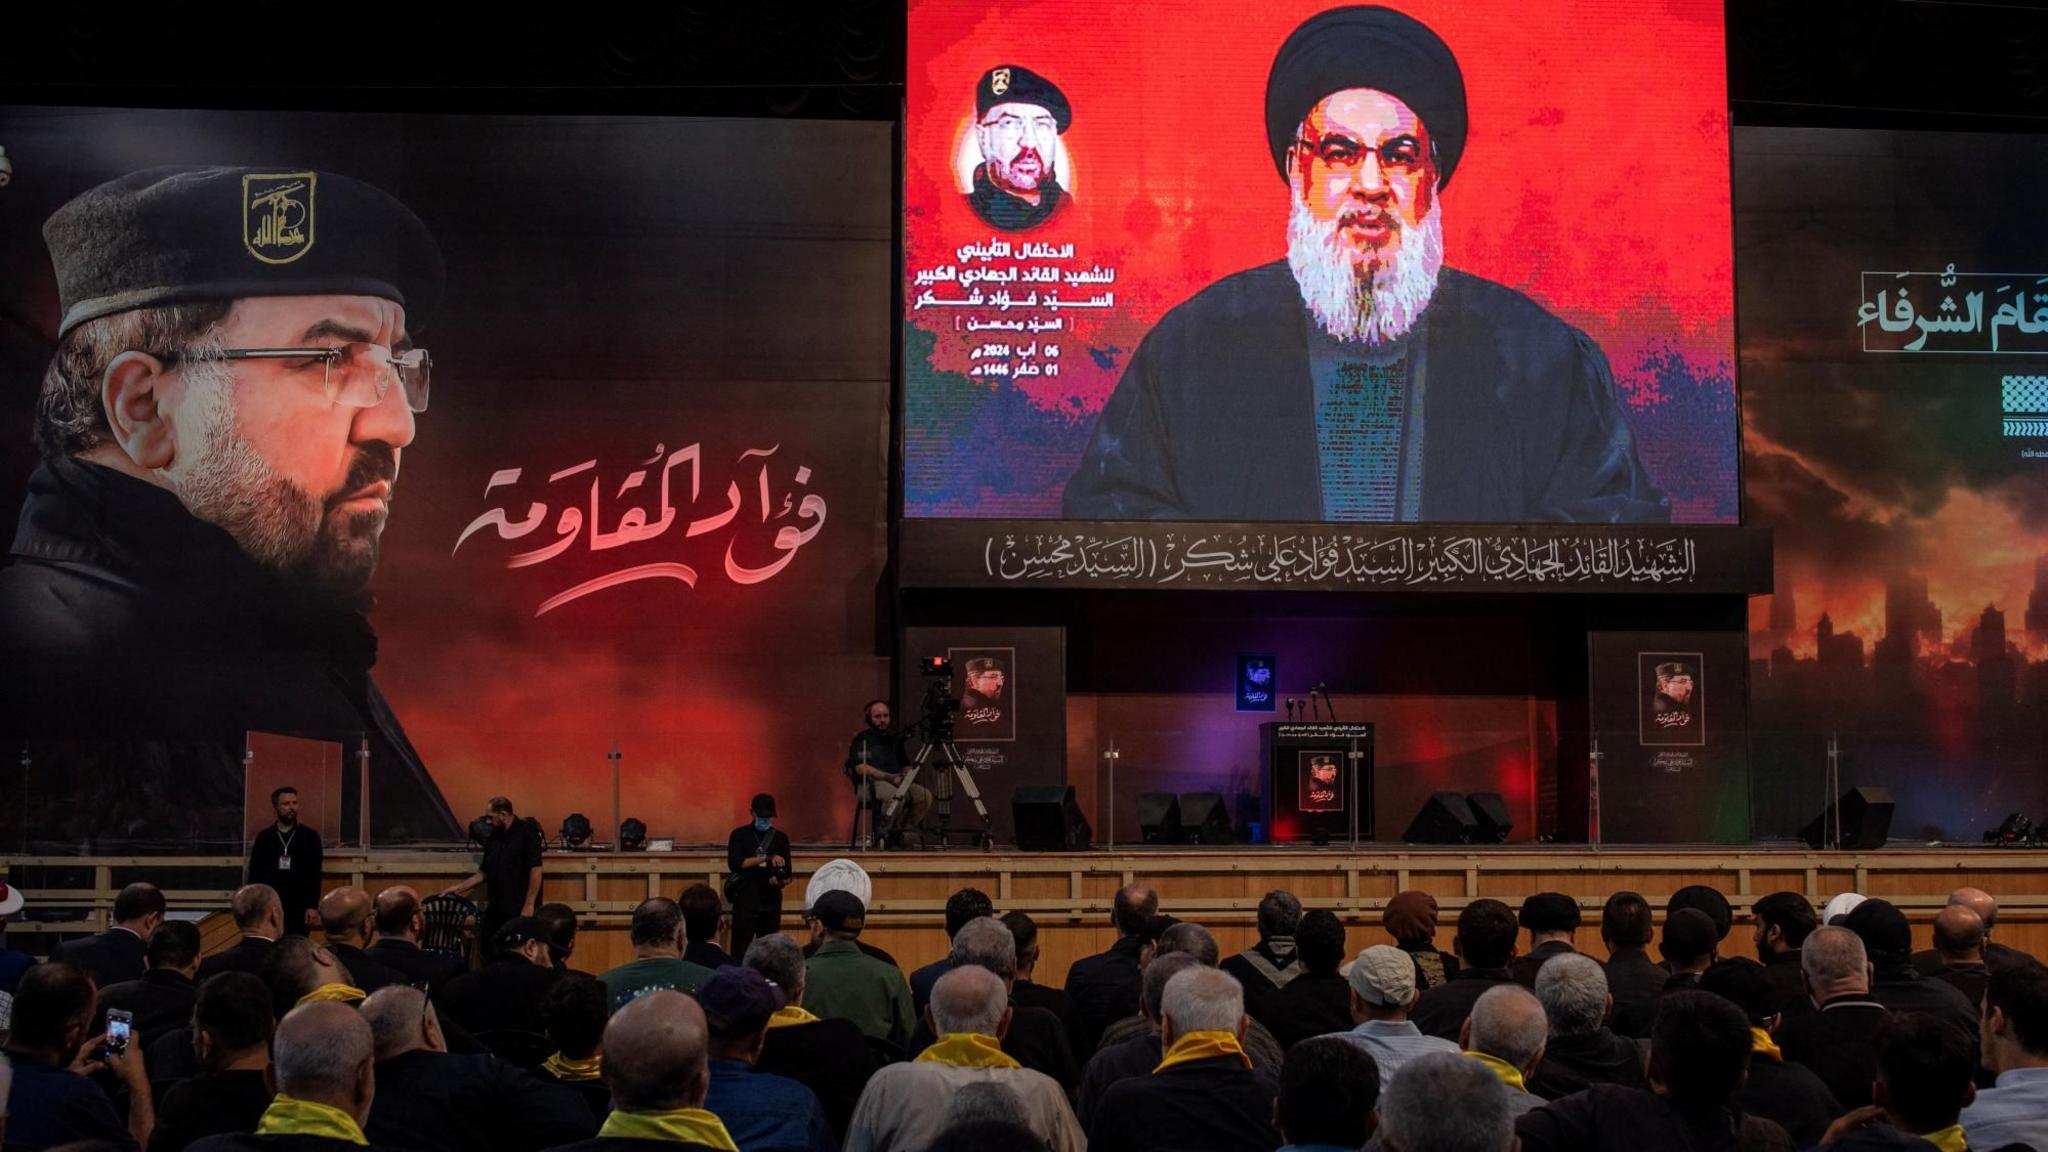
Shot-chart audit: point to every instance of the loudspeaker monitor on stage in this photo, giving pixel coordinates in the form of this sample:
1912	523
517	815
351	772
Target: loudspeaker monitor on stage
1866	820
1048	819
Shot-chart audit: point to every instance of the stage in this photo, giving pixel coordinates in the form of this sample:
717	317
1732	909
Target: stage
1069	894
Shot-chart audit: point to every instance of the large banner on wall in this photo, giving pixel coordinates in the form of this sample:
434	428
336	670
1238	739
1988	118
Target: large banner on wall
1209	261
536	448
1894	294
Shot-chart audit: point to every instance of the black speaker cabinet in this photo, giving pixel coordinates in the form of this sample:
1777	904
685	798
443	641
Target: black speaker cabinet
1048	819
1445	818
1159	817
1205	818
1866	814
1490	809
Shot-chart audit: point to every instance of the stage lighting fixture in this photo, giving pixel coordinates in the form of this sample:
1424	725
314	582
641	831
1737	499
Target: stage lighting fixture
2014	830
576	830
632	835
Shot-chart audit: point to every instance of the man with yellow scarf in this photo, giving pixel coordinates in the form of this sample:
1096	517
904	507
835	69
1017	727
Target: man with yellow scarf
325	1078
657	1061
1203	1095
903	1108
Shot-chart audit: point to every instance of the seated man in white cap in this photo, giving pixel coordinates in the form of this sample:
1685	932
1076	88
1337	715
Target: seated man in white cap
1382	990
904	1106
842	875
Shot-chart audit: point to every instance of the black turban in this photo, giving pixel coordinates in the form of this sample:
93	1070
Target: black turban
1367	47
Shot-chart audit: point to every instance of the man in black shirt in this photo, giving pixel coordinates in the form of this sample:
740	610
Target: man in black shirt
1783	922
1203	1094
162	999
876	761
757	870
1836	1041
121	952
1894	982
511	872
1485	942
399	925
1633	979
260	916
703	916
1318	1001
346	915
1996	955
1776	1089
232	1023
1025	993
505	994
1959	941
1551	918
286	856
1105	988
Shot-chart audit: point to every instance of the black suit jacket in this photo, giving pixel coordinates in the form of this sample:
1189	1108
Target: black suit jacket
830	1057
1635	981
246	956
504	994
161	1001
1902	989
436	1102
1215	1105
1836	1043
1525	967
109	958
1106	988
416	964
366	971
1215	415
1441	1011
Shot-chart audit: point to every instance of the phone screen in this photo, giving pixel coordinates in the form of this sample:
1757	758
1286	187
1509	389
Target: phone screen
118	1023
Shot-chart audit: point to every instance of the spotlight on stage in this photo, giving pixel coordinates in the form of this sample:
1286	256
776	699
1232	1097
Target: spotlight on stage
2015	831
576	830
632	835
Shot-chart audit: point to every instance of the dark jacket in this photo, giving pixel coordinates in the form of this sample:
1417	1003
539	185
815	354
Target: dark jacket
1138	1056
246	955
633	1144
1610	1118
1791	1095
1927	961
831	1057
1525	967
415	964
1969	979
1635	981
297	887
161	1001
1312	1004
1837	1044
156	637
1442	1010
597	1096
1902	989
502	995
111	957
1215	415
436	1102
1263	970
707	954
49	1106
1215	1105
1026	994
1106	987
208	1105
1576	1063
364	970
1782	969
753	890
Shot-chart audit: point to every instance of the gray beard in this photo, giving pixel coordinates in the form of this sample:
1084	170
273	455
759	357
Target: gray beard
1371	306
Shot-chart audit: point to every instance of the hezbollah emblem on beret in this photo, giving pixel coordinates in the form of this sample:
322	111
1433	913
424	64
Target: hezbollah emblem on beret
277	215
999	81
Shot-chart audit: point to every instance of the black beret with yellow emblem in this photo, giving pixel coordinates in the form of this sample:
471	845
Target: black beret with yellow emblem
1009	84
175	235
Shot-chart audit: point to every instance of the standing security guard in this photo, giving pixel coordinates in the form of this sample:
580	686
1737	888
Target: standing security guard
757	855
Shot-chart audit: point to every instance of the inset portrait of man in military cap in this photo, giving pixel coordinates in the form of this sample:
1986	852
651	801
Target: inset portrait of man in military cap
988	705
1321	784
1363	378
237	376
1019	117
1673	704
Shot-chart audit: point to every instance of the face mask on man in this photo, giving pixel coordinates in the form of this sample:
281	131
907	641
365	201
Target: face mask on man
762	823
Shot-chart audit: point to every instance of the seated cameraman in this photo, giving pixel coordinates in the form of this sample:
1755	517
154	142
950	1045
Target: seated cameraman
875	764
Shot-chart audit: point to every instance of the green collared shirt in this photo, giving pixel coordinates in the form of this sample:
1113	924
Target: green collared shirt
840	980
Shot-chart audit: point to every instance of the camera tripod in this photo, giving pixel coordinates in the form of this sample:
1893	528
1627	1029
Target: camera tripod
948	757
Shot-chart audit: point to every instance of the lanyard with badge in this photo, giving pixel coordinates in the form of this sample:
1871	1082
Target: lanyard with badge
284	850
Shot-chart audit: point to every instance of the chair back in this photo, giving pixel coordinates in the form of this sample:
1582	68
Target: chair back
451	926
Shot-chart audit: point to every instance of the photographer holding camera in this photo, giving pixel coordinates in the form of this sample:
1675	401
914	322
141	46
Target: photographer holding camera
878	764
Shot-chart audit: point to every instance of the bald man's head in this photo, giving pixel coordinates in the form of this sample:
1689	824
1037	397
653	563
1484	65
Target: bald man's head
323	1052
1135	904
345	916
1979	901
655	1054
1507	1023
398	913
402	1020
970	1000
1959	935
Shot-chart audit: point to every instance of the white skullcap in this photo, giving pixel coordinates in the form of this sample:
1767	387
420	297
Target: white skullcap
841	875
1841	906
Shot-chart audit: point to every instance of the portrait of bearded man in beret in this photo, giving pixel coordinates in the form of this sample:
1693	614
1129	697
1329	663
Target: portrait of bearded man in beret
1360	378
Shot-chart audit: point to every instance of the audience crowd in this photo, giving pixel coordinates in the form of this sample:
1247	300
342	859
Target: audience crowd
1817	1029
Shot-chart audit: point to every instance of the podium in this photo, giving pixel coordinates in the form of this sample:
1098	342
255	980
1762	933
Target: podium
1318	781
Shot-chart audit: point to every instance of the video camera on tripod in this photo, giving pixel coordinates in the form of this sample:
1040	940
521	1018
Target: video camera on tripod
937	714
940	707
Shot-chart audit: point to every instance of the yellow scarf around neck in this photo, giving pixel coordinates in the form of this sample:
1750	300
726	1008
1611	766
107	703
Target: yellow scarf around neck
792	1015
289	1117
566	1070
1203	1046
334	993
1949	1139
1760	1042
1508	1073
968	1050
680	1126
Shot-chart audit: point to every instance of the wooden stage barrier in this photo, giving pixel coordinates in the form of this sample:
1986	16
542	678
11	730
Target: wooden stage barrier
1069	894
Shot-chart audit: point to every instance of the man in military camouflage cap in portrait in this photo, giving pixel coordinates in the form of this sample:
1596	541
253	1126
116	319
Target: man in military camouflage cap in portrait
235	379
1019	117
